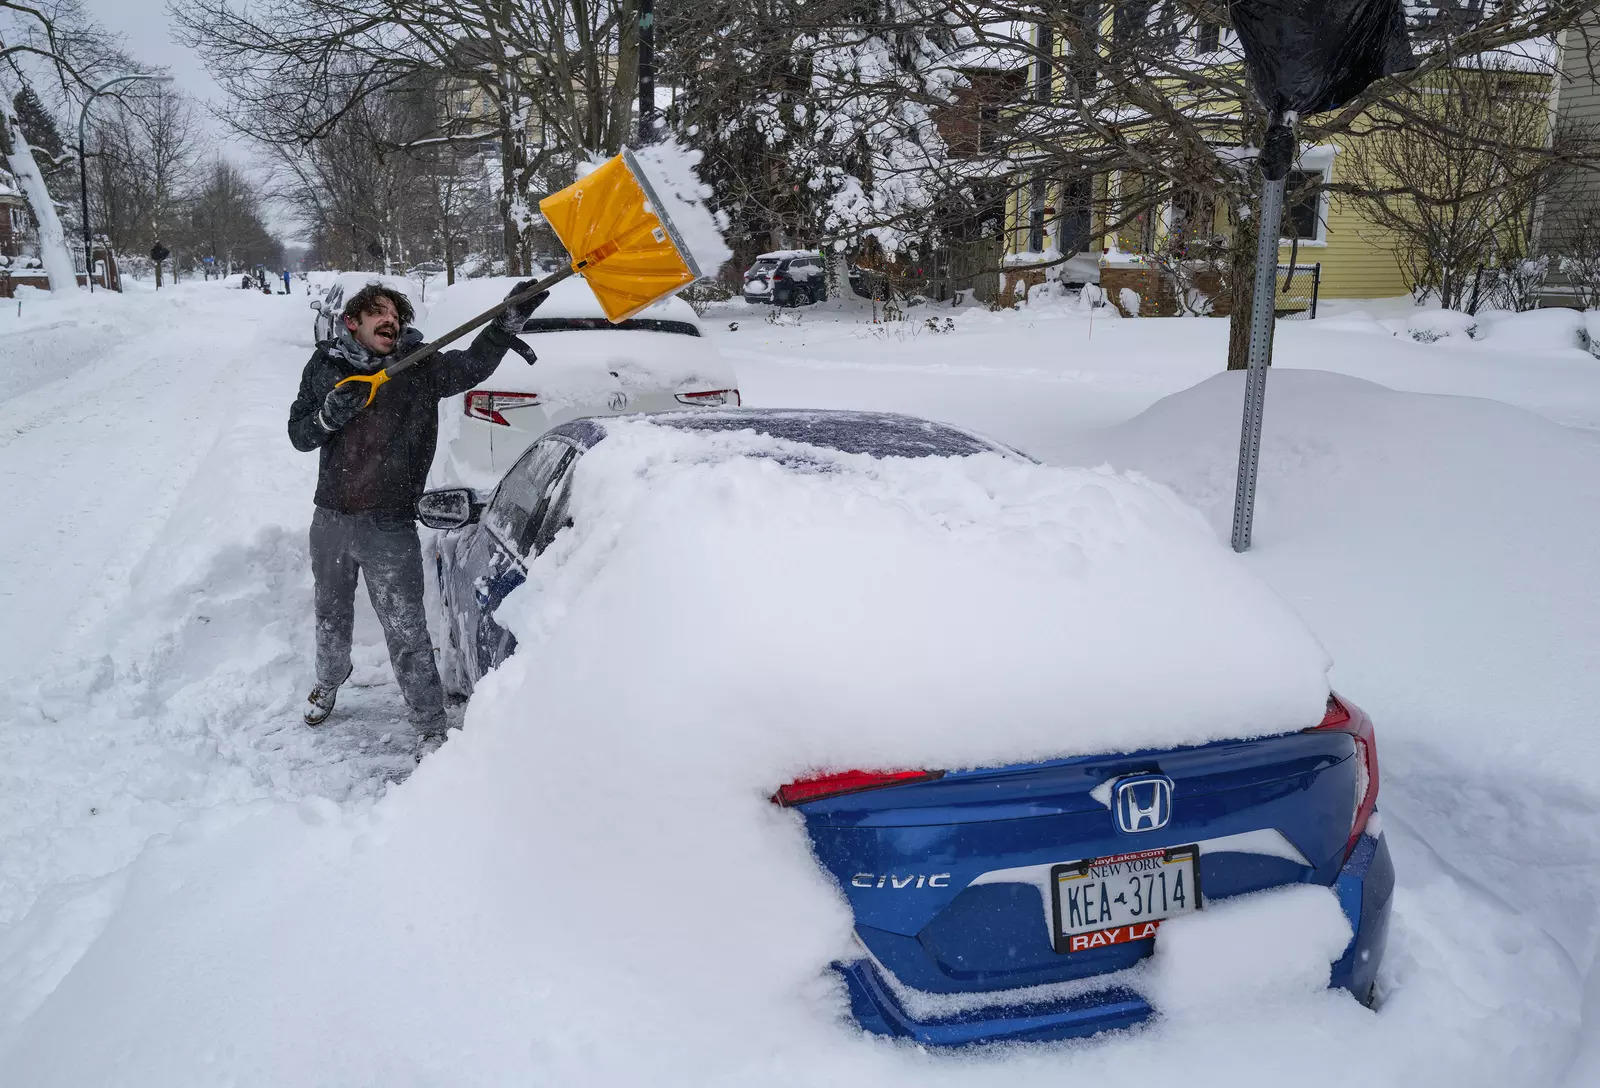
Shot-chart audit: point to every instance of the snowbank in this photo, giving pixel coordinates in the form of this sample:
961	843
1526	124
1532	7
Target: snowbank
1443	546
1252	950
584	887
1535	330
1430	326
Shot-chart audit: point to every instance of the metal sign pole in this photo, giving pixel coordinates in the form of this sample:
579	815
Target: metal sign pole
1275	159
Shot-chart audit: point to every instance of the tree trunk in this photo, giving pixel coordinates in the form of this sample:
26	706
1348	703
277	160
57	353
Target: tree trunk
510	194
53	251
1242	280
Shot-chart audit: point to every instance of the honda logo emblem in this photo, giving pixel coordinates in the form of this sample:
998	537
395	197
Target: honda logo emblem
1142	802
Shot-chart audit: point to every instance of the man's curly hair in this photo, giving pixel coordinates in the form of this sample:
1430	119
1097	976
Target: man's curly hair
365	301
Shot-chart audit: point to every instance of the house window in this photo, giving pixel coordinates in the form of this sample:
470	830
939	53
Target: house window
1077	194
1041	79
1208	38
988	126
1302	207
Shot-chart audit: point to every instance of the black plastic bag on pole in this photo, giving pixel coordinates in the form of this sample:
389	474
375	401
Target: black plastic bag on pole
1308	56
1304	57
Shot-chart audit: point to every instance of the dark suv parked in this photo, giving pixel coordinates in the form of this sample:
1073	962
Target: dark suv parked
787	277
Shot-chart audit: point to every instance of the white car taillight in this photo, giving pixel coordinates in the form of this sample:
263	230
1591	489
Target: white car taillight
487	405
711	398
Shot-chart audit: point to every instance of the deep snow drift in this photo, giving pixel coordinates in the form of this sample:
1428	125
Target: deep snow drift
171	871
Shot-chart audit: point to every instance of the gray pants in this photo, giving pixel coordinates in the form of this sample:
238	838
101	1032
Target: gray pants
384	550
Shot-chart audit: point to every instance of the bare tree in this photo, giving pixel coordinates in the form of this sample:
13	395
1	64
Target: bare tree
550	81
223	220
143	163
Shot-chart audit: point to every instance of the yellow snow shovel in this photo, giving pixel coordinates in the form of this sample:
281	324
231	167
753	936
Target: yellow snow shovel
620	240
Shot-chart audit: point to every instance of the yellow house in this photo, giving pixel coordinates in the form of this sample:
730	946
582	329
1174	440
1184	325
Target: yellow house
1052	218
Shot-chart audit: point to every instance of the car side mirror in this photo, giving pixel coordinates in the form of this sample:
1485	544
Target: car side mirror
316	304
449	508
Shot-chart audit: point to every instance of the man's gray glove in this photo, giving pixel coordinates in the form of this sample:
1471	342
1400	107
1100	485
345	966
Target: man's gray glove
342	404
512	319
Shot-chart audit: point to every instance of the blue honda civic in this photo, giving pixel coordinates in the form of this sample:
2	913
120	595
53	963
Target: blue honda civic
1009	889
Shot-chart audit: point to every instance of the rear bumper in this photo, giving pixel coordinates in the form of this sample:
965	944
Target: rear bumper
1365	888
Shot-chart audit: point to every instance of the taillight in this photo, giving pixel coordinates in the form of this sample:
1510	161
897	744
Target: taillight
835	785
487	405
1340	718
711	398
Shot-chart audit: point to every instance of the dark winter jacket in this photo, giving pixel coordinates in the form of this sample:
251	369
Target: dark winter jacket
378	462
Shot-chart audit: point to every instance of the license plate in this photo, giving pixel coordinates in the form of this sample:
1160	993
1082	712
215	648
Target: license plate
1124	897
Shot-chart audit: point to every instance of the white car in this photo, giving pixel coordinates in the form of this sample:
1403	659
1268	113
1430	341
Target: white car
328	298
656	361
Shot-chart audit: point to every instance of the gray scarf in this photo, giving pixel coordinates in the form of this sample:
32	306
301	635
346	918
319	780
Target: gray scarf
345	346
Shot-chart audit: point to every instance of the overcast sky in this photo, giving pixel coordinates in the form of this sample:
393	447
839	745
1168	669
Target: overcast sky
147	33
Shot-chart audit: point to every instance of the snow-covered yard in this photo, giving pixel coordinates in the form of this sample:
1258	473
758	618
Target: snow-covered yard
196	889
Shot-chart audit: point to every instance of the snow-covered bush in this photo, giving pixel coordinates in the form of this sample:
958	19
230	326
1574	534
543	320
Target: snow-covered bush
702	293
1431	326
1556	329
1516	283
1580	259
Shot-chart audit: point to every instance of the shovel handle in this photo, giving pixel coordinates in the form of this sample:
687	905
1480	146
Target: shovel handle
428	350
372	380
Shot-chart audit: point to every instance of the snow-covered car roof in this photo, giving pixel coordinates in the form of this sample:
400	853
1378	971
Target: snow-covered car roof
583	357
890	611
784	254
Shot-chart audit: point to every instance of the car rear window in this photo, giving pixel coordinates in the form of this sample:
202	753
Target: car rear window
639	324
764	266
875	433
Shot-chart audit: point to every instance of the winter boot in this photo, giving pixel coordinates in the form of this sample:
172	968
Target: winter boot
319	704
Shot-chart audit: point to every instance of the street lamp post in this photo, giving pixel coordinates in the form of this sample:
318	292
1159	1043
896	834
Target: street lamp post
83	168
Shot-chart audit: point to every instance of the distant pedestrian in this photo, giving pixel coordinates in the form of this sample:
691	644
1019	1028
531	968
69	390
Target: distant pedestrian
374	463
286	287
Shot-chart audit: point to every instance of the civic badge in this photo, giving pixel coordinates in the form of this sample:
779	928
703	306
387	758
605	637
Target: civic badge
1142	802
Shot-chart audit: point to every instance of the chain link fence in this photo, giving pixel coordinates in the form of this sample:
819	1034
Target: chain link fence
1298	287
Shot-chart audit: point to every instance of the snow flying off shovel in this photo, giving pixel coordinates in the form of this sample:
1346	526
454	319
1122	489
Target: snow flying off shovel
620	239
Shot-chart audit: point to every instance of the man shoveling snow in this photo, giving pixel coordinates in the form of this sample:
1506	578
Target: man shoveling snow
375	456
